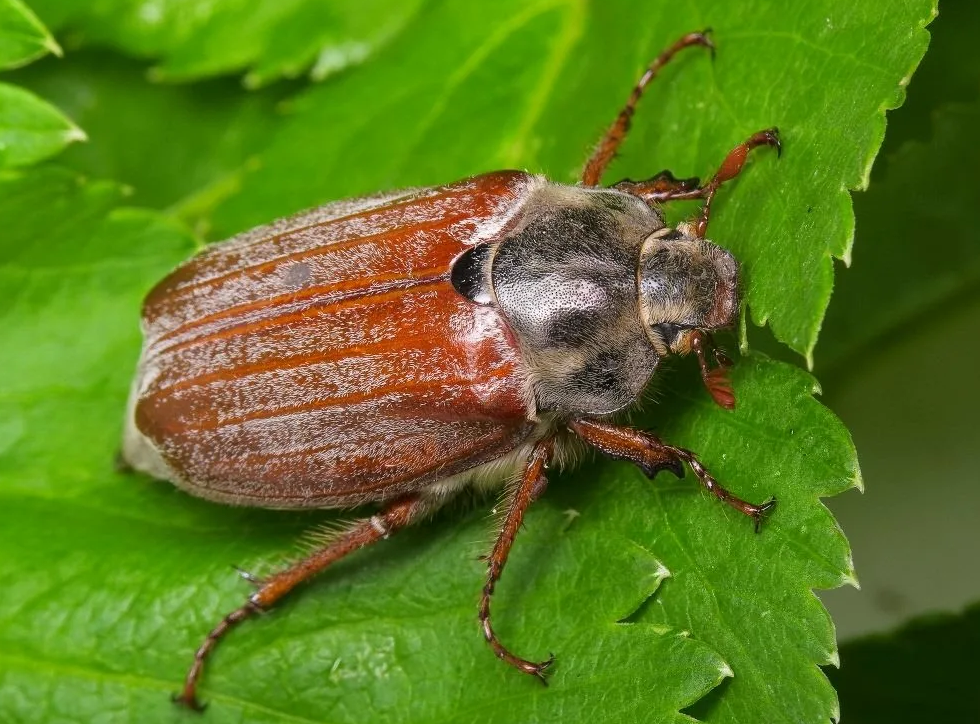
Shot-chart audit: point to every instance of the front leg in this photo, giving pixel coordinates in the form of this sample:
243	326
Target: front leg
662	188
665	187
650	453
528	489
604	152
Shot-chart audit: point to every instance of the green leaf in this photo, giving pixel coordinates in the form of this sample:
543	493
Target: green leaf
180	148
140	571
925	671
23	37
751	599
270	38
31	129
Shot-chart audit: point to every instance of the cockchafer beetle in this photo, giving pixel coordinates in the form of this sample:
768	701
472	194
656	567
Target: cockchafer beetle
397	348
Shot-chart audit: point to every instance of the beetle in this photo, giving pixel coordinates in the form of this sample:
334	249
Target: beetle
398	348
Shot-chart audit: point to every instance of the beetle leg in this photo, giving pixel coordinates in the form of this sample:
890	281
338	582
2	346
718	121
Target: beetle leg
271	589
665	187
529	489
649	452
662	187
607	147
729	169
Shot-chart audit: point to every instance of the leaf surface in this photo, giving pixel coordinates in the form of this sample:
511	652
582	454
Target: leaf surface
181	148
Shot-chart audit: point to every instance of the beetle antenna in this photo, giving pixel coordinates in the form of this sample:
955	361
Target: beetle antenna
715	379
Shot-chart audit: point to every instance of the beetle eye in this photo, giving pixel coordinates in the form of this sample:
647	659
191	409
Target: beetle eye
668	332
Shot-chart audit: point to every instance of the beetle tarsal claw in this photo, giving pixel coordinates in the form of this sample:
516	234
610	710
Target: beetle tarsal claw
762	513
541	669
676	467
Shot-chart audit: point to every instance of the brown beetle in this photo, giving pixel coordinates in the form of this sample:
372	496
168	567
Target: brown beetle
397	348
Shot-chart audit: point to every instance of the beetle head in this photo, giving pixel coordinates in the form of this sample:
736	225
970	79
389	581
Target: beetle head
686	284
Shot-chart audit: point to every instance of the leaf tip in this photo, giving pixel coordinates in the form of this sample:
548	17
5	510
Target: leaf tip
726	671
833	658
850	577
51	45
74	133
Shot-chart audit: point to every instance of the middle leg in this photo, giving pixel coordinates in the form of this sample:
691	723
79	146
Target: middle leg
650	453
529	488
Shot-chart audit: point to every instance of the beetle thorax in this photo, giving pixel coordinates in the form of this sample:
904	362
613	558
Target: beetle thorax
566	281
